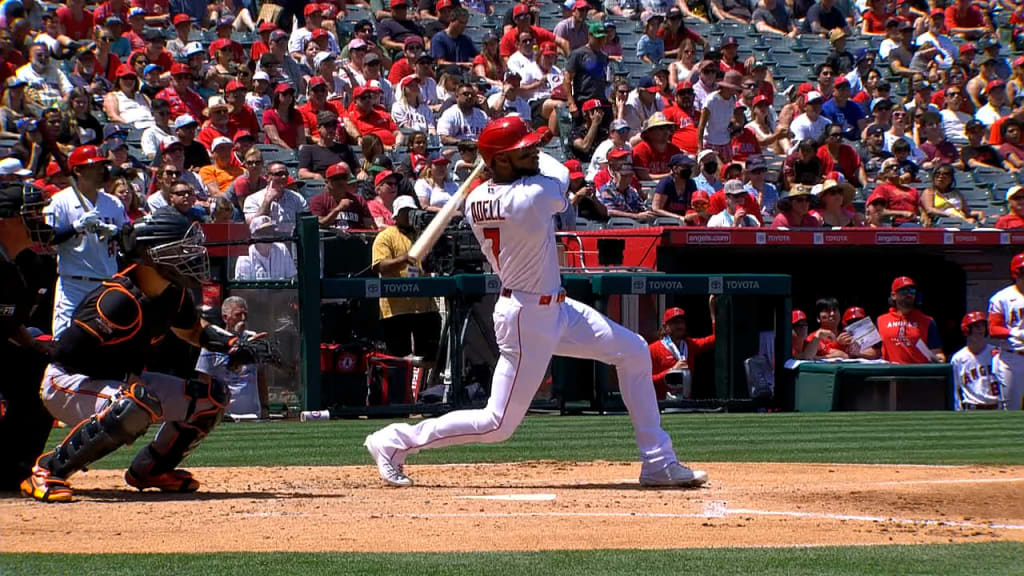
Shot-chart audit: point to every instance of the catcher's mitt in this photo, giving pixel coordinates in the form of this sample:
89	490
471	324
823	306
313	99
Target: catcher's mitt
254	349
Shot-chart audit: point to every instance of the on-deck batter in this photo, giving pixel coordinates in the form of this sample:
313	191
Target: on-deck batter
511	217
975	385
1006	323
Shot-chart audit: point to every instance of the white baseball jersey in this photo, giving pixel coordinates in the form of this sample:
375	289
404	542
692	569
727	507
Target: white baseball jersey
523	253
974	380
1008	304
85	255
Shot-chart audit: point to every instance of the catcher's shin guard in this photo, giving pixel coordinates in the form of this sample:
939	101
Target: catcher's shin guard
126	418
175	440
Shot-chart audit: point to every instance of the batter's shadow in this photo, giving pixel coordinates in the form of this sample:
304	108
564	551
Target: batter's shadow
552	486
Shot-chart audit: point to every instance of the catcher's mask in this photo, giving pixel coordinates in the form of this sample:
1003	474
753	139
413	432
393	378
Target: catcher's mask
168	242
32	215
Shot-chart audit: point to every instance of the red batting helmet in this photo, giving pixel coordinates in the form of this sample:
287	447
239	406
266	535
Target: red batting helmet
1016	264
673	313
853	313
503	135
85	156
971	318
903	282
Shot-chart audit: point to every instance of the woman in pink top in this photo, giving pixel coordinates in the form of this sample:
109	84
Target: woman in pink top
794	209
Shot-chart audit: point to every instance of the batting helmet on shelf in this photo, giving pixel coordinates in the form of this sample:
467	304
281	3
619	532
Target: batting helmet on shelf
1016	264
853	314
971	318
505	134
85	156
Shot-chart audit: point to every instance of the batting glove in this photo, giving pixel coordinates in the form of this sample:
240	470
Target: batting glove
87	222
107	230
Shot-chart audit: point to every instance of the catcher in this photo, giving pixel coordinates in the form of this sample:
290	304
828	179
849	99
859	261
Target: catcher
96	375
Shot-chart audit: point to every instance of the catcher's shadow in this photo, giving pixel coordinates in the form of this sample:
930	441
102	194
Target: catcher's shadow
127	495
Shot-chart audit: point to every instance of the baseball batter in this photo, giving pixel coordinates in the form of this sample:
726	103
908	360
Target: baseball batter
511	217
96	377
86	221
975	384
1006	323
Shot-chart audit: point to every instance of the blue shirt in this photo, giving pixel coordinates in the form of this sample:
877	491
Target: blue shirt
847	117
653	48
702	184
444	47
768	200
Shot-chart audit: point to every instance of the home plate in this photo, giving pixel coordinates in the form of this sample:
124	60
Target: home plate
512	497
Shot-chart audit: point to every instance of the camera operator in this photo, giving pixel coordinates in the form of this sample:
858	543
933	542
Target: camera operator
404	317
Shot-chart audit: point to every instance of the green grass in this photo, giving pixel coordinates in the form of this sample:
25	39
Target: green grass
962	560
852	437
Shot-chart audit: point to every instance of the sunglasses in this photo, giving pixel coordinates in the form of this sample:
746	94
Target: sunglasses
172	173
254	162
951	94
907	291
279	174
106	38
185	193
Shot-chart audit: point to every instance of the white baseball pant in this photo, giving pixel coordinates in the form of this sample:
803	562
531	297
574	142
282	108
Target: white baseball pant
528	334
68	295
1009	368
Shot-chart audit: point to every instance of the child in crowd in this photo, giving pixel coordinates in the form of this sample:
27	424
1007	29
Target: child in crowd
698	214
467	159
651	48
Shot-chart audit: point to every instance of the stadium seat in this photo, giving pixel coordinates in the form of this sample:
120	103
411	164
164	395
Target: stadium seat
666	221
620	222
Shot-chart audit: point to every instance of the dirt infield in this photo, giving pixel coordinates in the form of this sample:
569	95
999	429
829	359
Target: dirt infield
527	506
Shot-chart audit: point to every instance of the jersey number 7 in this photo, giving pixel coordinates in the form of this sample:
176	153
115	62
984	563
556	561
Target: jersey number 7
493	236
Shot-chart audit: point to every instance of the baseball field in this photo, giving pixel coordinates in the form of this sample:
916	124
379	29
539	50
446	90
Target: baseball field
842	493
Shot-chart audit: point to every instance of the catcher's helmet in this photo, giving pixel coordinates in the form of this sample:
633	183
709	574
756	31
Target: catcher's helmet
1016	264
505	134
170	243
27	201
971	318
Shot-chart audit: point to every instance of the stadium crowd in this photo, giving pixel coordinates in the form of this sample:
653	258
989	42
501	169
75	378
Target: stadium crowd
229	111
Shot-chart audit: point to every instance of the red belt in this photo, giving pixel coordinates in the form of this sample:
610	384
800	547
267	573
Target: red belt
542	300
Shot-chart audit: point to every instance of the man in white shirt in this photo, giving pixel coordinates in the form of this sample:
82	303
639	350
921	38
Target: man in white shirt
811	124
464	121
641	103
276	201
523	56
953	120
160	133
540	81
47	85
996	107
948	51
300	36
510	99
248	384
734	216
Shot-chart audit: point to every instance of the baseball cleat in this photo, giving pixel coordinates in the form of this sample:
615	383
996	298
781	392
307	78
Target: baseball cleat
45	488
389	471
674	475
173	481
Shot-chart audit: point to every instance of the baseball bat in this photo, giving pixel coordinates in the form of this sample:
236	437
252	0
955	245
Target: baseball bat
433	231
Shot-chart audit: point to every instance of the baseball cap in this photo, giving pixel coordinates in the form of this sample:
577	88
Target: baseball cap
705	155
841	81
14	82
649	85
924	86
114	131
619	124
596	29
384	175
242	135
684	86
169	143
259	224
853	313
13	167
412	40
113	144
181	19
993	84
216	101
124	71
875	129
968	47
284	87
234	85
225	22
220	141
183	121
548	48
937	12
973	124
321	33
371	58
520	9
672	314
813	96
311	9
267	27
278	35
179	68
618	153
861	55
648	16
885	103
322	57
325	117
261	75
402	202
729	41
674	12
591	104
903	282
355	44
442	4
755	163
700	196
1013	191
341	169
761	99
734	188
798	317
114	20
316	82
399	4
152	68
575	169
680	160
193	48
